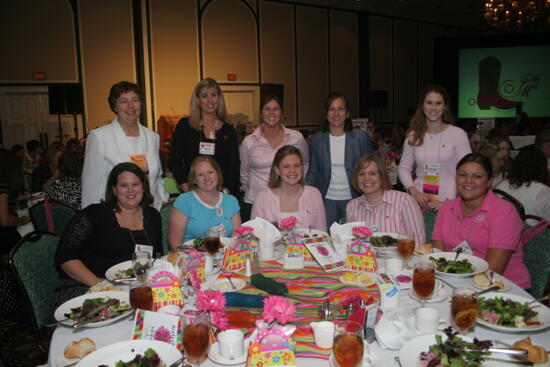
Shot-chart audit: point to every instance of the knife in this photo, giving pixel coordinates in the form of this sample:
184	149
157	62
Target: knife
124	280
509	351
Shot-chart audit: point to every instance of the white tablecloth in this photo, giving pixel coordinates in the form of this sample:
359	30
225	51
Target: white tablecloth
122	331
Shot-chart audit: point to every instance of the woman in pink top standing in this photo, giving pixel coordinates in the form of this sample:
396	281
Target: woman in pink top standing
258	149
435	146
381	207
288	195
490	226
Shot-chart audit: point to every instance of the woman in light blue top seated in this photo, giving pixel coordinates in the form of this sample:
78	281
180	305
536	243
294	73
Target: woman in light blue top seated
204	207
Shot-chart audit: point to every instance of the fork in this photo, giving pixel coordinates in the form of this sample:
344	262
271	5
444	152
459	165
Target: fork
231	282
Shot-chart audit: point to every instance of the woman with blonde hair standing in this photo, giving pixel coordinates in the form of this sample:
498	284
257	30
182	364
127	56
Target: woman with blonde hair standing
204	132
435	146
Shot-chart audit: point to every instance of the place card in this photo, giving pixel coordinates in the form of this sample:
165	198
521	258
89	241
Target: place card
150	325
325	255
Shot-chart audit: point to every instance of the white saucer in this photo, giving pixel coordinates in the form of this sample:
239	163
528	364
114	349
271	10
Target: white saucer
223	285
215	356
507	286
440	293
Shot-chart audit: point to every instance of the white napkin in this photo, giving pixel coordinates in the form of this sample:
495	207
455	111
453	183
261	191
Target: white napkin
264	230
162	265
341	235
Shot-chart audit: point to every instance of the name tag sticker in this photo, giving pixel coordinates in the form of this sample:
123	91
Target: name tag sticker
144	249
207	148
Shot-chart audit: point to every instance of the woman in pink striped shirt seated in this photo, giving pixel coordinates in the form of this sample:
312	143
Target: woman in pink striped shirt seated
381	207
288	195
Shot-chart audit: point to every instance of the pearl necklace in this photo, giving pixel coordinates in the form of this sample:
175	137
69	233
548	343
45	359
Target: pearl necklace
211	131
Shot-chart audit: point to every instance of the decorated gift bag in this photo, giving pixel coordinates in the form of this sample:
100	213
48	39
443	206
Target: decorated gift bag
234	258
360	257
164	279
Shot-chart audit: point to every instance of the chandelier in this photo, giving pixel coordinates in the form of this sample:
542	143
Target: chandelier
502	13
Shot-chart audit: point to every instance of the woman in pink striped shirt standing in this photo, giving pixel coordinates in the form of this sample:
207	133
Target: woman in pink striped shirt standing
381	207
288	195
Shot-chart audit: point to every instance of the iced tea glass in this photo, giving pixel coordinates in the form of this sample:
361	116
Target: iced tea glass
348	346
141	295
405	247
423	280
212	241
464	309
195	339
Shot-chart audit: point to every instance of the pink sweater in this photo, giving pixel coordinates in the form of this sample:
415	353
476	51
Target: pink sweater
311	210
445	148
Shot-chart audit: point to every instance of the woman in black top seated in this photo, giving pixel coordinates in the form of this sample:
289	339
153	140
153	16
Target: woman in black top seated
105	234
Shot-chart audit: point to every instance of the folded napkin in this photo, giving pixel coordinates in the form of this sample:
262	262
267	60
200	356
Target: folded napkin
264	230
341	235
269	285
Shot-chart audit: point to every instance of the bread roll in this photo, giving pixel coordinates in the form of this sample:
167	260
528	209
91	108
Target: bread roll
535	353
424	249
482	280
79	349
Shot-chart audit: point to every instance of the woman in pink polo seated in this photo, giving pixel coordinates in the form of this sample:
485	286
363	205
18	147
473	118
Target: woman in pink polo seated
288	195
491	226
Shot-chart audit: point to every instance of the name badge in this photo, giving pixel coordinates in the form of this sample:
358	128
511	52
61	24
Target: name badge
432	169
207	148
465	246
144	249
217	231
140	160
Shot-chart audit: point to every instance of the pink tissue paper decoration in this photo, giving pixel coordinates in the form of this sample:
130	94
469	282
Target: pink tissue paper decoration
362	232
243	230
288	223
277	308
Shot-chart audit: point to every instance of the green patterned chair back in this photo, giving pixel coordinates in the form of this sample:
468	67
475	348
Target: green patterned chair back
537	255
164	216
61	214
32	261
429	222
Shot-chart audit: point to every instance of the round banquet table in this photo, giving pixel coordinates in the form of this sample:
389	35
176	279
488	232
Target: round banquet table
121	331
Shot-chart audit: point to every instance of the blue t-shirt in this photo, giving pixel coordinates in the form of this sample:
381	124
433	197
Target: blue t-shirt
202	216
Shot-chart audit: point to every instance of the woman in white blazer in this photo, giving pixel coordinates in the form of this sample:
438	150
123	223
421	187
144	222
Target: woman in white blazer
123	140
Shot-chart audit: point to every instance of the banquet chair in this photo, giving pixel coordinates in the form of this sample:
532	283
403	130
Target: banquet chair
165	216
32	261
504	195
429	222
536	246
51	215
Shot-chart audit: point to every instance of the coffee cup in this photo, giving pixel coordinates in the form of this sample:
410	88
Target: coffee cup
231	343
323	332
427	320
394	266
267	251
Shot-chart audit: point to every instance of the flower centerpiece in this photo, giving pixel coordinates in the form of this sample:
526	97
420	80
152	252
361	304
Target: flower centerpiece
361	232
213	303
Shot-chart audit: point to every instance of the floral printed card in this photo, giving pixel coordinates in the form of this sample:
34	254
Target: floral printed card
325	256
150	325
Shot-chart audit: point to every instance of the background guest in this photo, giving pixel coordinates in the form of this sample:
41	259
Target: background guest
498	159
526	182
105	234
389	210
258	150
205	207
491	226
333	153
47	172
435	146
67	188
288	195
123	140
205	132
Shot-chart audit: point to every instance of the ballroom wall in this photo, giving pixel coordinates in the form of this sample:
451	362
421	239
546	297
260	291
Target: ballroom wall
168	45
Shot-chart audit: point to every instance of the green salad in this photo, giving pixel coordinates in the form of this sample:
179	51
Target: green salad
98	308
450	352
383	241
505	312
124	274
150	358
452	267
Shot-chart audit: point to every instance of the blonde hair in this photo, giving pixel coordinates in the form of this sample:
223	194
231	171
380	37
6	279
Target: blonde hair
195	163
419	126
363	162
195	115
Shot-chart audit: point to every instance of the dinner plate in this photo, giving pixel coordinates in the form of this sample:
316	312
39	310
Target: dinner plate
357	282
440	293
126	351
386	248
223	285
543	315
278	252
215	355
478	264
110	274
77	302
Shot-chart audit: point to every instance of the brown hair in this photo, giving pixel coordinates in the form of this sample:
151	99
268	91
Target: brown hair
123	87
324	125
274	178
212	162
419	126
111	200
365	161
195	114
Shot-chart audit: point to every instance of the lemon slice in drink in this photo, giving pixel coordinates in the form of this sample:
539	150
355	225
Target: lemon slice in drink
465	318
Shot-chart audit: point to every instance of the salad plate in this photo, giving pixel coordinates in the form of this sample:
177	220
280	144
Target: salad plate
117	271
66	307
479	265
223	285
311	232
506	288
358	279
126	351
543	314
